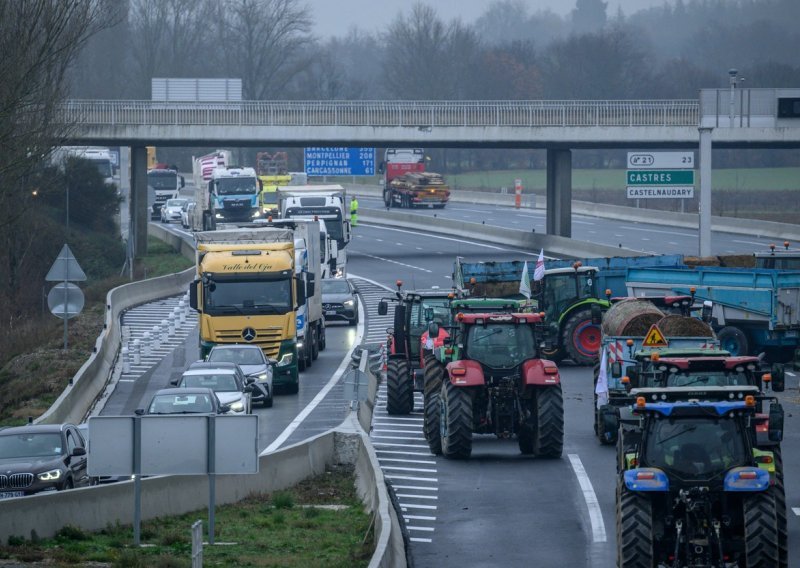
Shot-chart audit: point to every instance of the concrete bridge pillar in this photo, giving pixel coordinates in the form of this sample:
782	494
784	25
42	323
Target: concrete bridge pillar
138	200
705	191
559	192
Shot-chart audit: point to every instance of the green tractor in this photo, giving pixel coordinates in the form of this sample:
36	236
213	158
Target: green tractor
569	298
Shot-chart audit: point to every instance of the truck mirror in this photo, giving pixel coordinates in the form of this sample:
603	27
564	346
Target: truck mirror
616	369
381	167
300	290
193	294
383	308
311	287
183	182
433	329
775	431
706	313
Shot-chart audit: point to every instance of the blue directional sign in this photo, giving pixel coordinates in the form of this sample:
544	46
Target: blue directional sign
340	161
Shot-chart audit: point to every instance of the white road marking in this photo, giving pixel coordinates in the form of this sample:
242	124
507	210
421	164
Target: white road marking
394	261
412	539
409	496
412	478
796	511
395	431
413	528
413	506
432	236
630	228
595	514
419	517
389	445
425	462
412	469
789	373
403	453
415	487
325	390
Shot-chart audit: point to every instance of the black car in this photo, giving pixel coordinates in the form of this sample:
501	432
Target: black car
339	300
41	457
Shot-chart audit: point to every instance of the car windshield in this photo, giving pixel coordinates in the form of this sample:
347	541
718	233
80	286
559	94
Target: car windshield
14	446
179	404
336	286
217	382
236	186
175	202
695	448
500	346
239	356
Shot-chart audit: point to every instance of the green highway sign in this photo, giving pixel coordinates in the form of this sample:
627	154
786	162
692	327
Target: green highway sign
660	177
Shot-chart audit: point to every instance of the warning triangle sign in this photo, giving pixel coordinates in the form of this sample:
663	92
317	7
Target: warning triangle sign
655	338
65	268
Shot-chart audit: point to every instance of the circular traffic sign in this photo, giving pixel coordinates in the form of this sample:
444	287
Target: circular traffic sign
65	300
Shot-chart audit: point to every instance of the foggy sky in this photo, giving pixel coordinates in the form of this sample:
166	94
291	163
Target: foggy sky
336	17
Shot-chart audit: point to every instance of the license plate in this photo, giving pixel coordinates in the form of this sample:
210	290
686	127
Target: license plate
330	313
10	494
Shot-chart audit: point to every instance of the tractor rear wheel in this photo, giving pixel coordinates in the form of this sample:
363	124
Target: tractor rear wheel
548	439
434	376
634	529
580	338
399	388
456	421
761	531
780	509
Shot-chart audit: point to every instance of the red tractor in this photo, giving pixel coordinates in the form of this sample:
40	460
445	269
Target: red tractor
494	382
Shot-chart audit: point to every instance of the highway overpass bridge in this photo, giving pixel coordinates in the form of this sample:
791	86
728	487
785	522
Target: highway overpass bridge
719	118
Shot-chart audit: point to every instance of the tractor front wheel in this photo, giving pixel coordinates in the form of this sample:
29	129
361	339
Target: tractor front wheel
399	388
581	338
456	421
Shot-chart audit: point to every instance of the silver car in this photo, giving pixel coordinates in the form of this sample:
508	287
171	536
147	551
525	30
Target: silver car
171	210
253	363
225	383
186	214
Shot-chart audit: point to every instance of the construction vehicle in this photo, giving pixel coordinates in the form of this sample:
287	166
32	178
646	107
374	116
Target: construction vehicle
273	171
413	311
325	203
164	184
495	383
247	291
693	488
568	297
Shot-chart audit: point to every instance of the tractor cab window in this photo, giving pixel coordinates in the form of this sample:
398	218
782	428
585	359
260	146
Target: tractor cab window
695	448
705	379
500	346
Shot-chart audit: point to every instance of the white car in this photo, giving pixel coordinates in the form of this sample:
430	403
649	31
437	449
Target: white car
253	363
171	210
226	383
186	214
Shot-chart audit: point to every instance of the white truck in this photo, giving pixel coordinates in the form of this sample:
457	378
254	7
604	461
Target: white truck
326	203
100	157
162	184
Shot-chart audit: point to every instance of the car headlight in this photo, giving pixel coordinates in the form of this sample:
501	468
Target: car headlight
349	303
260	376
51	475
257	213
218	215
237	406
299	344
286	360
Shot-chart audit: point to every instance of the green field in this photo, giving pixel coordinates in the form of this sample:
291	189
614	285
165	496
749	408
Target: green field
745	179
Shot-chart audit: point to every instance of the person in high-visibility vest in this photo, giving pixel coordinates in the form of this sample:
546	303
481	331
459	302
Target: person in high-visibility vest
354	212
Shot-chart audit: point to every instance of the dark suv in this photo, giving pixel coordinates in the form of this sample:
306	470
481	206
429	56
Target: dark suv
42	457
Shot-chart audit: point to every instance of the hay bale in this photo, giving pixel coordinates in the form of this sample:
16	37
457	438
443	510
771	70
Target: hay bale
701	261
738	261
683	326
631	317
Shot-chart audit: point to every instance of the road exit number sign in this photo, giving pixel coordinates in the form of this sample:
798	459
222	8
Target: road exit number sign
660	160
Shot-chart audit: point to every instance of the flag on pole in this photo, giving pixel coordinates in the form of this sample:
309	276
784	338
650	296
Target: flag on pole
525	282
538	272
601	388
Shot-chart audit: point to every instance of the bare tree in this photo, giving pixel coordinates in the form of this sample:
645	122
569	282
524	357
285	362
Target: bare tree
429	59
264	44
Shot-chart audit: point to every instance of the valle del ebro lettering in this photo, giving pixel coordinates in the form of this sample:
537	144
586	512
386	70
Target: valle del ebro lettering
247	267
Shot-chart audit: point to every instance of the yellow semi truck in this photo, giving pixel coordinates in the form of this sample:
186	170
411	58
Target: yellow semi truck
247	291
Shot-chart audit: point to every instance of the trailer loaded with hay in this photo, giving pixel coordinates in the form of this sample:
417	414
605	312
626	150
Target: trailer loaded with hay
632	329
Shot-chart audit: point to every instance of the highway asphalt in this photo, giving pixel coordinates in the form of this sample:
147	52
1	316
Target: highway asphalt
497	508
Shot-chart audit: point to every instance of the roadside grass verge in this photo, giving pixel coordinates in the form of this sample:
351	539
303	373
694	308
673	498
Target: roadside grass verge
287	528
35	369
